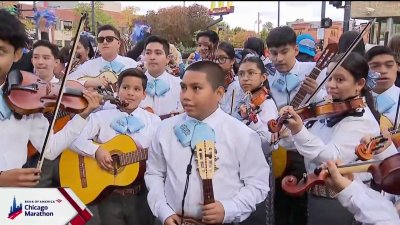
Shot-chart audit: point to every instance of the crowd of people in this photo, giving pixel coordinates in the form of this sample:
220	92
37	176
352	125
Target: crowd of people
221	100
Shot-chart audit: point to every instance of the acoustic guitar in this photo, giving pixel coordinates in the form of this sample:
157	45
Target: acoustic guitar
206	155
90	182
279	157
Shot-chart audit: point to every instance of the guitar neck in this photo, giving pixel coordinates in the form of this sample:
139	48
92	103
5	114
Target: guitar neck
133	157
208	192
301	94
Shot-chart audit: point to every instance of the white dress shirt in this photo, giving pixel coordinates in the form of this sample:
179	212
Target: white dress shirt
168	103
239	183
93	67
301	69
100	131
15	134
268	112
393	92
367	205
230	100
321	143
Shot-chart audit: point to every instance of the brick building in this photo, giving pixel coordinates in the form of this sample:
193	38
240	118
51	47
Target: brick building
387	14
61	34
328	35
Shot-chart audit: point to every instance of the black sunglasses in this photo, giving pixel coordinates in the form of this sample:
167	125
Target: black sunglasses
109	39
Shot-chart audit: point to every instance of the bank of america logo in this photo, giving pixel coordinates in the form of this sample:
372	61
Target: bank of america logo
15	210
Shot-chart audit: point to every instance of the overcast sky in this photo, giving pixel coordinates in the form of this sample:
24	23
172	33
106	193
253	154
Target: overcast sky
245	14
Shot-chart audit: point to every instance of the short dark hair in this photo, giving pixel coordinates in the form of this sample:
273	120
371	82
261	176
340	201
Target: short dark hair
132	72
256	44
63	54
85	42
158	39
12	30
281	36
214	73
347	38
212	35
53	48
379	50
109	27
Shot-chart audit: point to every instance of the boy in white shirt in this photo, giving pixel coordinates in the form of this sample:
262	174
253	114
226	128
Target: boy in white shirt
31	127
121	208
382	60
109	42
241	180
162	88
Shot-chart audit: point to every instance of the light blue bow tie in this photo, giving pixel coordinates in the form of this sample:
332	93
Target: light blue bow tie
114	66
191	132
384	103
5	111
286	82
157	87
127	124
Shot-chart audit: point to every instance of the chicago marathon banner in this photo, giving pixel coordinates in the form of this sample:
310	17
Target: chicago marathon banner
37	206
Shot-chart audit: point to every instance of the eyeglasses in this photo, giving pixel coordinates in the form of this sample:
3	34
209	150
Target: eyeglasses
250	74
109	39
221	60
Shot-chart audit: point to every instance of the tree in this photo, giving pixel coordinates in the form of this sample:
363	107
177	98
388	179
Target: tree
240	37
178	24
129	15
99	15
268	26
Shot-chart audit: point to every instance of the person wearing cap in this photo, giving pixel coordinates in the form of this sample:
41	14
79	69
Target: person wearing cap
307	48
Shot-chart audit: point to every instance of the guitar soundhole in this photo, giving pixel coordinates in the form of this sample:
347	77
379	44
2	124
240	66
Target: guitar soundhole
115	155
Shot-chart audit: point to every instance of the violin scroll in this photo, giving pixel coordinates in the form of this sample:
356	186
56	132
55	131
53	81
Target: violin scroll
274	126
297	188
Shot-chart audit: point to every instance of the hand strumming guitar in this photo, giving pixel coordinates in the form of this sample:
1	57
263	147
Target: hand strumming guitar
104	159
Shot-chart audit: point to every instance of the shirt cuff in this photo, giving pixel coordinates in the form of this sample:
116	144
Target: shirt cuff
164	211
346	194
231	211
256	126
302	137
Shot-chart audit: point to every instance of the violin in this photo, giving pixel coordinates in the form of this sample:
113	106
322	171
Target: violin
365	151
327	110
228	79
253	102
386	174
27	94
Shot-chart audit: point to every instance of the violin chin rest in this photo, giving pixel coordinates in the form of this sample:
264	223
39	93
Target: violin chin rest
14	77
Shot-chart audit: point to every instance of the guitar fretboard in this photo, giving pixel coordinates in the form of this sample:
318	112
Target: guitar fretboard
133	157
299	97
208	192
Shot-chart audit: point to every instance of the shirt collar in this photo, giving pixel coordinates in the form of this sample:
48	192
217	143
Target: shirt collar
163	76
390	92
294	70
212	120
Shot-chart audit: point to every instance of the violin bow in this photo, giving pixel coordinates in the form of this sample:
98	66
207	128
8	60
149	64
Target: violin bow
62	86
342	58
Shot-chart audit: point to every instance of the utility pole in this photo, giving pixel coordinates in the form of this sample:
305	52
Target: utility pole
323	7
258	23
279	13
93	25
346	20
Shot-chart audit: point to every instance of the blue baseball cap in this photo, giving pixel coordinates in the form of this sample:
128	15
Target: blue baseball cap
306	44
